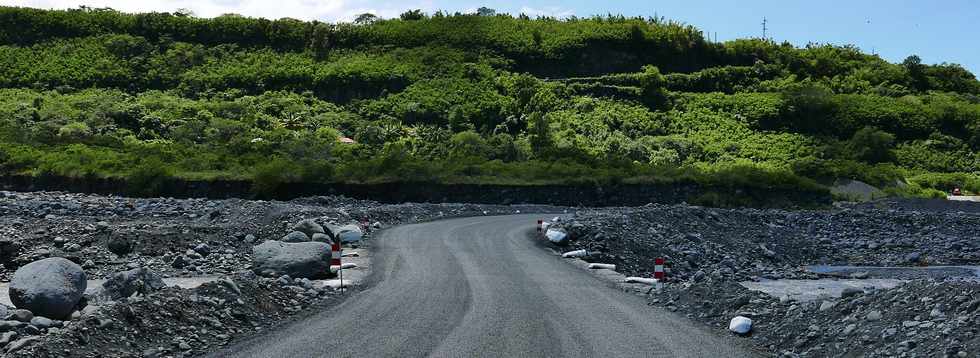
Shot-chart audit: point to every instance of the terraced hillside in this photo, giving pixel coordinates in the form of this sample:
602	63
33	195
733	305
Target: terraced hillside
460	98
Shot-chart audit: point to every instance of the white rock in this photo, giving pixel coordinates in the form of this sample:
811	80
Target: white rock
740	325
576	253
602	266
556	236
643	280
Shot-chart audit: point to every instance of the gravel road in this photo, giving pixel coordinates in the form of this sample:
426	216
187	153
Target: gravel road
480	287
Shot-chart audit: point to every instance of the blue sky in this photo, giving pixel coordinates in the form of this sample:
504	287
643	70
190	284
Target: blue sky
937	32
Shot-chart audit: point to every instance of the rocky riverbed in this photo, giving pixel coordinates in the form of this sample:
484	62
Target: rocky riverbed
133	244
709	251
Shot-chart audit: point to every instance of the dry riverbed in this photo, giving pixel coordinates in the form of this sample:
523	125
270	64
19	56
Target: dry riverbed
891	278
200	252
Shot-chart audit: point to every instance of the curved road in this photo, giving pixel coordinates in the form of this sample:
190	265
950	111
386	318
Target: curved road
479	287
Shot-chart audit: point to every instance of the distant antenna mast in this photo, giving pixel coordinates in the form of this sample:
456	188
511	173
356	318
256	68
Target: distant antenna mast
764	28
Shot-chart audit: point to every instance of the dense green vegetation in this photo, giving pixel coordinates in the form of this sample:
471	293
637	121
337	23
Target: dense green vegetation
469	99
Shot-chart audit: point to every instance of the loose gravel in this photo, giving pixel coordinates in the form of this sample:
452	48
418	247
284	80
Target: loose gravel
186	238
710	251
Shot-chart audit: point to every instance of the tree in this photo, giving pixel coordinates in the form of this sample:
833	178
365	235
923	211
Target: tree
468	144
366	19
872	145
916	71
652	83
412	15
485	11
540	134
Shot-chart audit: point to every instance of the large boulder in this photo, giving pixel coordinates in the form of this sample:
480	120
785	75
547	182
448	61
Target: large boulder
295	236
349	233
298	260
124	284
50	287
308	227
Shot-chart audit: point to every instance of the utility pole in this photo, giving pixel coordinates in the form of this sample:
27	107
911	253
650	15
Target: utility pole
764	28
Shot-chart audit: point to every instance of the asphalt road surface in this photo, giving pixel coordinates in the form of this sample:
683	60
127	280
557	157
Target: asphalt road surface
480	287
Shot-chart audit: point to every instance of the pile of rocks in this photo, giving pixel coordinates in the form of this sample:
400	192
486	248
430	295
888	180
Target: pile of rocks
136	243
920	318
175	322
747	244
710	250
186	237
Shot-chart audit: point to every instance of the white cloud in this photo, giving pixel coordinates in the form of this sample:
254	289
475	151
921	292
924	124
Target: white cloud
323	10
553	11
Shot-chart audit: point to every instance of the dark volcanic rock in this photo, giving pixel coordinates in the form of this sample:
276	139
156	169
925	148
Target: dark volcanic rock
49	287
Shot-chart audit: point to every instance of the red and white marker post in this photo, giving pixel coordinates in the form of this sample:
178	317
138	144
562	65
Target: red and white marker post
540	224
658	269
658	272
335	254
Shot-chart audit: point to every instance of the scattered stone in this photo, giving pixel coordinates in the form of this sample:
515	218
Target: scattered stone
322	238
9	325
44	322
873	316
7	337
349	233
127	283
826	305
202	249
181	261
303	259
308	227
21	343
740	325
851	292
49	287
860	275
21	315
119	244
295	236
556	236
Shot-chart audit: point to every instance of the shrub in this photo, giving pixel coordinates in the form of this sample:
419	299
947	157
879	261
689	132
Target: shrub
268	178
872	145
945	182
149	178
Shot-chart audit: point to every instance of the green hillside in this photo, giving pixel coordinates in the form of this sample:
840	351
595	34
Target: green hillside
469	99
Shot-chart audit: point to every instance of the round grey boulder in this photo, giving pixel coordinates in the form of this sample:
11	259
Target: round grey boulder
308	227
298	260
295	236
50	287
350	233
